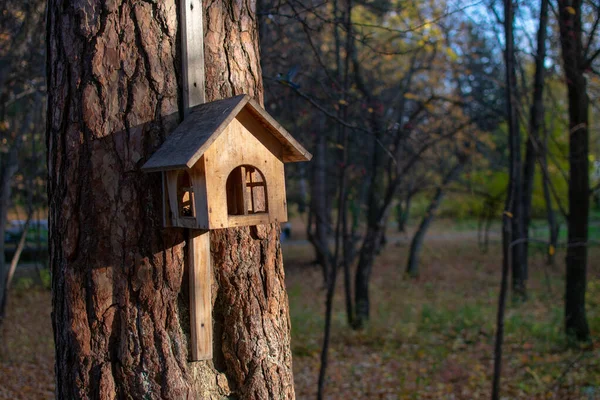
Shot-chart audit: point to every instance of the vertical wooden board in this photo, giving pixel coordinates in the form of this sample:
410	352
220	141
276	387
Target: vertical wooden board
244	191
198	176
200	277
192	54
172	194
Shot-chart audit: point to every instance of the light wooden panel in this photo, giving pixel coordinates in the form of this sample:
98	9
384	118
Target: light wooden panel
200	277
249	220
197	174
234	147
249	121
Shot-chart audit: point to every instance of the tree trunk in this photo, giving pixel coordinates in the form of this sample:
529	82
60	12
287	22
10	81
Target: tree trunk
367	254
519	272
403	213
8	168
13	267
120	301
412	267
377	214
535	125
579	187
512	197
550	213
320	238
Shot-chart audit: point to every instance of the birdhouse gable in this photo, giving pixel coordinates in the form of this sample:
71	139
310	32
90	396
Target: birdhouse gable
206	122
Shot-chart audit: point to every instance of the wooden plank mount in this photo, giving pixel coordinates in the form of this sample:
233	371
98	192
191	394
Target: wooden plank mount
200	277
200	272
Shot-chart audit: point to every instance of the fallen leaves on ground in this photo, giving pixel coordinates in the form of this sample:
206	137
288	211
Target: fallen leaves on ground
27	347
433	337
429	338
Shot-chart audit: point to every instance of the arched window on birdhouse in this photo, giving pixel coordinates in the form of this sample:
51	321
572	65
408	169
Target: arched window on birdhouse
246	191
185	195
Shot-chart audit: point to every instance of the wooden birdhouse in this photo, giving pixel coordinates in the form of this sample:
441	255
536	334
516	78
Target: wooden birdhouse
223	167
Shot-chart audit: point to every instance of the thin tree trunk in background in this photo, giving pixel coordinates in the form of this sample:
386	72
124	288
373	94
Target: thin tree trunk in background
20	245
318	209
120	301
404	213
331	281
512	197
8	168
518	264
550	213
519	268
535	125
20	68
376	218
13	266
506	234
341	229
364	267
347	239
400	217
579	185
416	244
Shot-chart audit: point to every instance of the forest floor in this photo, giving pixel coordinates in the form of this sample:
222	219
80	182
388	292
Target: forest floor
429	338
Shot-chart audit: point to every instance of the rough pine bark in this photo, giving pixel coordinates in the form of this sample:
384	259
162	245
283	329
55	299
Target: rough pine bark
120	301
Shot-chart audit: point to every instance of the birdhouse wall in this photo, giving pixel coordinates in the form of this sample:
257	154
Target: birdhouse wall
172	217
244	142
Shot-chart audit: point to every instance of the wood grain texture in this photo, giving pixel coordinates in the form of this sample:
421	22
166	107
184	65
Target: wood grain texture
116	274
197	172
192	54
200	277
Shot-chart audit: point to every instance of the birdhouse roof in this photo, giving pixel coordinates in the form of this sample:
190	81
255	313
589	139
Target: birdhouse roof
205	122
